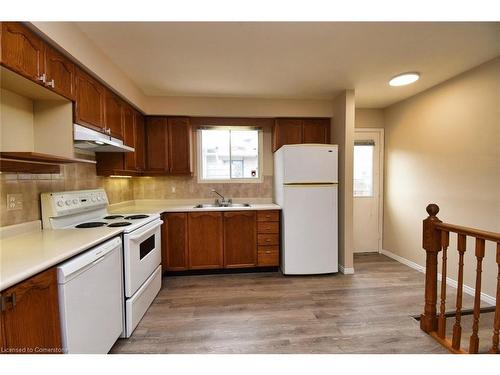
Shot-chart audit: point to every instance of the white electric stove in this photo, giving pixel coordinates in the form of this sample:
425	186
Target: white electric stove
86	209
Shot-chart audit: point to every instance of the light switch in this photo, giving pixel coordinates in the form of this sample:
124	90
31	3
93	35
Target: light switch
14	201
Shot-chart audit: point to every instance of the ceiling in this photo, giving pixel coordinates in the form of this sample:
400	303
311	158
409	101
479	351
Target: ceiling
300	60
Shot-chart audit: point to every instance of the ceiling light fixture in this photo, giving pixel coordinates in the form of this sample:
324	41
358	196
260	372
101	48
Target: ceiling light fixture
404	79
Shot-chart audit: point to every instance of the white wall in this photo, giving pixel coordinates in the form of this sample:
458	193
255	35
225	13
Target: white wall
342	133
443	146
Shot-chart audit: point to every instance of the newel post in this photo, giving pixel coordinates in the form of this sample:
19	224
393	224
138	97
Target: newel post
431	242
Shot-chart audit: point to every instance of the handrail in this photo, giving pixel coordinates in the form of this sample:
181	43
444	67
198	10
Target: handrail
435	239
485	235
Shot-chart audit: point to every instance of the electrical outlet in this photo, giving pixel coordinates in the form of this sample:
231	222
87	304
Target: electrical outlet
173	189
14	201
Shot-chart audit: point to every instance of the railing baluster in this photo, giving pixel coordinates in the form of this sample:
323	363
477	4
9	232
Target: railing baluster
496	325
445	242
474	339
457	328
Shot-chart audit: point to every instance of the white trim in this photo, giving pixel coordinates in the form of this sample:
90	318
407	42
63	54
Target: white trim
381	181
449	281
346	270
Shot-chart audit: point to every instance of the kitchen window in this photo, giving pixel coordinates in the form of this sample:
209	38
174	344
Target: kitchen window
229	154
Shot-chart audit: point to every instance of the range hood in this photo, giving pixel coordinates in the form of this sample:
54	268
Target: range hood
91	140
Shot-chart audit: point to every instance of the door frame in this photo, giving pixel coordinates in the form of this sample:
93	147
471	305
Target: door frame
380	132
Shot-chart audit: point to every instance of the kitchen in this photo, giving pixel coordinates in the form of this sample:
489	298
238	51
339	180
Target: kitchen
118	203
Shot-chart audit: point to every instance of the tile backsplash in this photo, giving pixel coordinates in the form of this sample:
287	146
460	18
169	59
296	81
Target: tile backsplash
83	176
71	177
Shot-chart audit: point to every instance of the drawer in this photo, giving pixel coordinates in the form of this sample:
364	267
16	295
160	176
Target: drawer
268	227
268	239
268	215
268	256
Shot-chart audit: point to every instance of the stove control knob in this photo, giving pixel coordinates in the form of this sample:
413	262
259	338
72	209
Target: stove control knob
75	201
60	203
93	199
68	202
99	198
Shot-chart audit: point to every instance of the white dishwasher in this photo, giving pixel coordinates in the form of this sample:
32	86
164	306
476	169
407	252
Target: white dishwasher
91	299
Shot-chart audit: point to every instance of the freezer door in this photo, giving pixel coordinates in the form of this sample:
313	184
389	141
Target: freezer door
310	163
310	229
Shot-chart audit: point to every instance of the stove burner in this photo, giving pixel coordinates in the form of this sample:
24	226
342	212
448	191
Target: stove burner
134	217
110	217
119	224
91	224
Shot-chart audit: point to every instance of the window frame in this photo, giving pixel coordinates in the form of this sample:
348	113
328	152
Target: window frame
199	158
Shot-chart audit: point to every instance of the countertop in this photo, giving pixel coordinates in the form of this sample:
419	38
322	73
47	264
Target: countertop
184	205
23	255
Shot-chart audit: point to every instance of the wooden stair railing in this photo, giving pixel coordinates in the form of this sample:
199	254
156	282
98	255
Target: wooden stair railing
436	238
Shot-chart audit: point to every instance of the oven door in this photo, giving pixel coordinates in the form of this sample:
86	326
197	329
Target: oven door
142	255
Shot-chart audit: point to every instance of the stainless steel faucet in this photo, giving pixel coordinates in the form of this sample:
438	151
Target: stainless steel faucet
223	201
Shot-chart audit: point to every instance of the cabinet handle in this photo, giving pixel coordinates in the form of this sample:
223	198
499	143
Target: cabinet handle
41	78
268	252
51	83
268	240
5	300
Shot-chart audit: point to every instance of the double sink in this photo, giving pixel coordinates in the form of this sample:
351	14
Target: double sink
217	205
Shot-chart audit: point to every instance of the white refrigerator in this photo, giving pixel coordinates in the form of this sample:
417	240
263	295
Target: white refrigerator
306	188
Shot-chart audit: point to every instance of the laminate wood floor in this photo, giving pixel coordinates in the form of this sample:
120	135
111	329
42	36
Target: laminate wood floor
368	312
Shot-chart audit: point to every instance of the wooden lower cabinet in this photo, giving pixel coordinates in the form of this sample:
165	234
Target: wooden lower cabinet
174	242
240	239
220	239
30	316
205	231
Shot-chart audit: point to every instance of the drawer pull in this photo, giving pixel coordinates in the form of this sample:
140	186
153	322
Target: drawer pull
268	252
268	240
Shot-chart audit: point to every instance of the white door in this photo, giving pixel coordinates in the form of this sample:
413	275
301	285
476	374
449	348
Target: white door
368	177
310	234
310	163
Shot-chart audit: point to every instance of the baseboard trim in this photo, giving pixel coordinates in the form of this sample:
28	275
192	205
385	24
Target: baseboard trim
449	281
346	270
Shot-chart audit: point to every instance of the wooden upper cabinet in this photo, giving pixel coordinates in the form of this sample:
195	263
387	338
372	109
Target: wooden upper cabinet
59	73
140	142
31	314
129	136
22	51
89	101
157	145
240	239
174	238
113	114
205	248
287	132
294	131
316	131
179	145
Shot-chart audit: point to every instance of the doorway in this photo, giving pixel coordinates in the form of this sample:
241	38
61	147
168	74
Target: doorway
368	190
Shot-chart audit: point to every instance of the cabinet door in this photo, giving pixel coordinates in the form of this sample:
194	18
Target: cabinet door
157	145
129	136
240	239
140	142
33	320
89	101
287	132
22	51
316	131
60	73
205	247
179	145
174	242
113	114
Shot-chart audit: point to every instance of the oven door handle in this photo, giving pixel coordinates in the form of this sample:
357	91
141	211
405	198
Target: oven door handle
146	230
